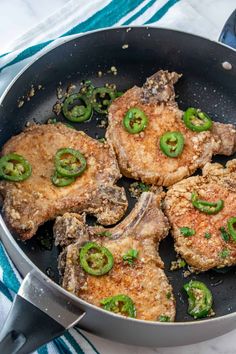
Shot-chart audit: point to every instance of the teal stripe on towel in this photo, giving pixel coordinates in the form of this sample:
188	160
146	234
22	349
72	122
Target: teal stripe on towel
106	17
139	13
42	350
161	12
28	52
61	346
9	277
4	290
86	340
74	344
3	55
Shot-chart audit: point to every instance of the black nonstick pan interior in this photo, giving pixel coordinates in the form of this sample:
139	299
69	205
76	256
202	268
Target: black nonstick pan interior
136	53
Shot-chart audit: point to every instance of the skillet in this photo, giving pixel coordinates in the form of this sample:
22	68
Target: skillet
42	310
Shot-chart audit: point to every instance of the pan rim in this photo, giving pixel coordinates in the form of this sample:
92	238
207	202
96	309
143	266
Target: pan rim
104	29
28	260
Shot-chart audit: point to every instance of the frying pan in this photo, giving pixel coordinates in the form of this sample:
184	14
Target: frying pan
42	310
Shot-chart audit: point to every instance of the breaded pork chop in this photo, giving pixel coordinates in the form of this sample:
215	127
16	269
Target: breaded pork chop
30	203
144	281
139	155
211	245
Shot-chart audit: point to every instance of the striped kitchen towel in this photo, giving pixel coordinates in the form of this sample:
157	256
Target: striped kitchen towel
79	16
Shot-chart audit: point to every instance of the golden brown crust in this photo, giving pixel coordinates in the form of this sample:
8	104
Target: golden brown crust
145	282
227	135
216	183
139	155
36	200
159	88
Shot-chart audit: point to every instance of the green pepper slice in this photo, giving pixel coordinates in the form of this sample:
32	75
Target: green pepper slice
135	120
101	99
172	144
187	231
207	235
60	181
79	112
164	318
70	162
199	298
95	259
196	120
130	256
224	234
87	89
15	168
121	304
207	207
231	227
224	253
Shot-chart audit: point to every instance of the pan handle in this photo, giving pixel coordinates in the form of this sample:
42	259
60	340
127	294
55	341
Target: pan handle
228	34
38	314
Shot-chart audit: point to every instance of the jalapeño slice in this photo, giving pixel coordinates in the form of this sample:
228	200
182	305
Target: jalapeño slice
231	227
95	259
121	304
101	99
81	108
199	298
135	120
60	181
207	207
196	120
172	144
15	168
69	162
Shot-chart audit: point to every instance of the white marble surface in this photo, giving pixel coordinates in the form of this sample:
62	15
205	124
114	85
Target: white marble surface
204	17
